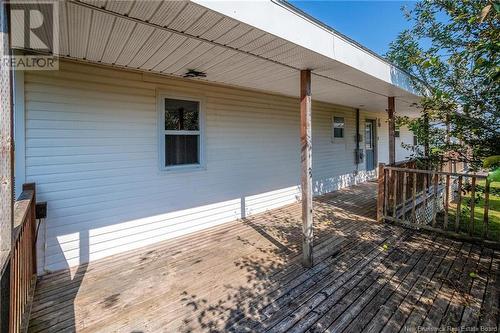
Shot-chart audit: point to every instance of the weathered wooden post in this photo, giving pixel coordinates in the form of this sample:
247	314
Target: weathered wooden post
392	130
6	166
306	167
380	192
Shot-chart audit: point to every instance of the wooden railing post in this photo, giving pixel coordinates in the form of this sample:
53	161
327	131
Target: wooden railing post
6	163
22	274
459	204
32	187
486	207
472	205
380	192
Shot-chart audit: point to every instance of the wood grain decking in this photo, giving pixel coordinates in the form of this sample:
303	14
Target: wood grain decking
246	276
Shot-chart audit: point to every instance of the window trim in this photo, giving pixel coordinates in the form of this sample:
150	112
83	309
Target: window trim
161	132
335	139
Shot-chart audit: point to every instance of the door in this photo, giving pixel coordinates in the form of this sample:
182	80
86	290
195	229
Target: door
370	144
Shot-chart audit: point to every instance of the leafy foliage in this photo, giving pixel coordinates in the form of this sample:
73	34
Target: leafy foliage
492	162
452	50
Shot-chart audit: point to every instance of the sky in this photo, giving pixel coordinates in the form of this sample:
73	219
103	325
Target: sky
374	24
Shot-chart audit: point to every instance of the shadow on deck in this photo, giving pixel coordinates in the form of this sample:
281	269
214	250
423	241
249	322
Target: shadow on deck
246	276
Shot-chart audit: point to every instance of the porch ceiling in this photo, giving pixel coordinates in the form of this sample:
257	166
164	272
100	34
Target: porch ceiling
170	37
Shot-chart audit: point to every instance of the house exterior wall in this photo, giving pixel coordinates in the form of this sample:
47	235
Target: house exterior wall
91	147
405	138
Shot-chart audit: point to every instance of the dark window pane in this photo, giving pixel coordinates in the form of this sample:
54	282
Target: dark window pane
338	127
181	115
181	149
338	121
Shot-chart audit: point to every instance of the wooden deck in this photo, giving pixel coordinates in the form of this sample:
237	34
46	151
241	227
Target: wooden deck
246	277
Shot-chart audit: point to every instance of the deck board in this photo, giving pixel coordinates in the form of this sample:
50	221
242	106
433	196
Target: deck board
246	276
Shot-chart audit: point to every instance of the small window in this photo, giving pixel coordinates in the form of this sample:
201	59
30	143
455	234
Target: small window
338	127
415	140
396	131
180	133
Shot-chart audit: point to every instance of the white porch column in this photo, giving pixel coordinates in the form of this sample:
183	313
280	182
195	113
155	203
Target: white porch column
306	167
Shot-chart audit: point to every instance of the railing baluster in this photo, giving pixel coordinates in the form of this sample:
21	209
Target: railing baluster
424	192
404	196
386	192
413	199
434	206
459	204
486	207
395	194
472	205
446	202
380	192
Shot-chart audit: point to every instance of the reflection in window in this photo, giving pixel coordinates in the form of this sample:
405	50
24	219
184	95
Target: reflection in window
338	127
181	132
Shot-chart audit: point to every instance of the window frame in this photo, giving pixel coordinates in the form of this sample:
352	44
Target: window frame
397	131
338	139
161	132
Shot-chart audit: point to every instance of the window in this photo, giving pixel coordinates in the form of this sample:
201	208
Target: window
415	140
396	131
180	133
338	127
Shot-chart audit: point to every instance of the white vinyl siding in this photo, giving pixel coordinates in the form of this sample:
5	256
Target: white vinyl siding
92	149
405	138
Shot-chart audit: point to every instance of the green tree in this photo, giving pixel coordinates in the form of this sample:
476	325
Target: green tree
452	50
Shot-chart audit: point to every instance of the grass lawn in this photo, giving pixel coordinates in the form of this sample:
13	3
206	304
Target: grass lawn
493	213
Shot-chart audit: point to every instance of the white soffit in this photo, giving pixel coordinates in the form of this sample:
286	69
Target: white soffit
280	19
259	45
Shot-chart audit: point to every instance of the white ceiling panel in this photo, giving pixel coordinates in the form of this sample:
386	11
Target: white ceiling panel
97	3
207	21
262	41
175	36
79	19
63	32
100	30
210	62
170	45
167	12
155	41
121	6
246	39
187	18
181	66
117	39
233	34
184	49
213	53
137	39
144	10
237	64
269	72
219	29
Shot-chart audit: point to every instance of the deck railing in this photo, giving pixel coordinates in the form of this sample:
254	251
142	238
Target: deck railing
441	201
19	274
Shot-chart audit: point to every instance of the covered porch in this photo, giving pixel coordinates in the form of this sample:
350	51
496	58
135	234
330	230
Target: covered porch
247	276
